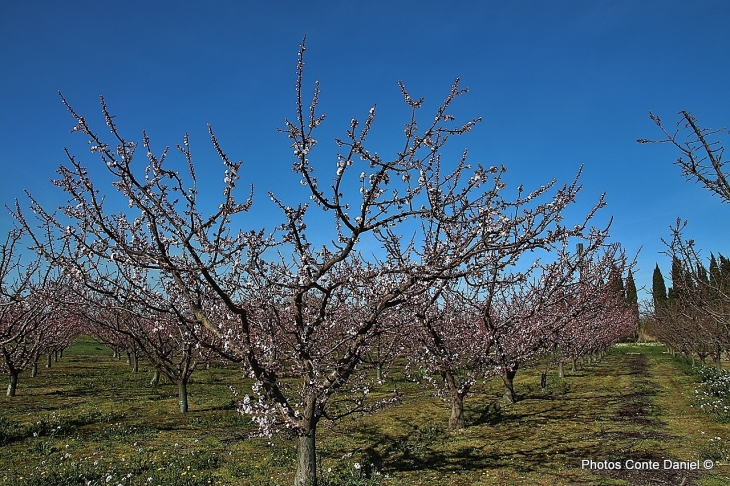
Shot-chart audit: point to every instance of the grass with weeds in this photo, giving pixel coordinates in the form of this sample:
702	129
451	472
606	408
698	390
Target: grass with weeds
90	420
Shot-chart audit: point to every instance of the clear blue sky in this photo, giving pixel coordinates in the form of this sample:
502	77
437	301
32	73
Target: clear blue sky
558	84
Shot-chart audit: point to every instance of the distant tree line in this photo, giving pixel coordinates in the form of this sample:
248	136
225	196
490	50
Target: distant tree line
692	317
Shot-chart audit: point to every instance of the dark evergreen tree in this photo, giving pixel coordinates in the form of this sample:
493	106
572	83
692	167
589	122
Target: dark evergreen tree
715	276
658	289
724	280
714	280
702	277
632	297
681	281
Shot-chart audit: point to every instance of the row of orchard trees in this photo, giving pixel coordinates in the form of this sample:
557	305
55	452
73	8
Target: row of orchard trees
35	317
424	260
497	321
693	316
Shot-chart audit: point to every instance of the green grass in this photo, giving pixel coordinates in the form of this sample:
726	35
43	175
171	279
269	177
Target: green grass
90	418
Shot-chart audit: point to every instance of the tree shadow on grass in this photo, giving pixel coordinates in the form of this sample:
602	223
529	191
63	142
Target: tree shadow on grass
558	460
435	450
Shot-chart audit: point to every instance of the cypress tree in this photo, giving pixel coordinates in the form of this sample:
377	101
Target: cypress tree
724	265
714	272
714	281
681	281
706	294
658	289
632	297
702	278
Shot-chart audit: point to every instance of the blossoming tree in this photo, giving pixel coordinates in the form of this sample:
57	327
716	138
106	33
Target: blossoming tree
34	313
291	302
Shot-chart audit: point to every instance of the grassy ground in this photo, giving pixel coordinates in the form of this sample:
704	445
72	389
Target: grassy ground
90	419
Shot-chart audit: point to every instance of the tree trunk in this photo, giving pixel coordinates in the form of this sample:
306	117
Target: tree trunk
574	365
183	395
48	361
508	377
55	356
155	377
13	383
544	375
306	474
456	420
561	371
306	461
379	372
718	360
34	369
129	358
135	362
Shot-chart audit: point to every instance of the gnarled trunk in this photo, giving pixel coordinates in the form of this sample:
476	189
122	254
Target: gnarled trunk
306	474
456	420
155	377
508	377
13	383
182	388
306	461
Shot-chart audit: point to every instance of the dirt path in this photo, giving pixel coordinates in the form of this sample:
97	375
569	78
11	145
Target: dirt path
659	425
